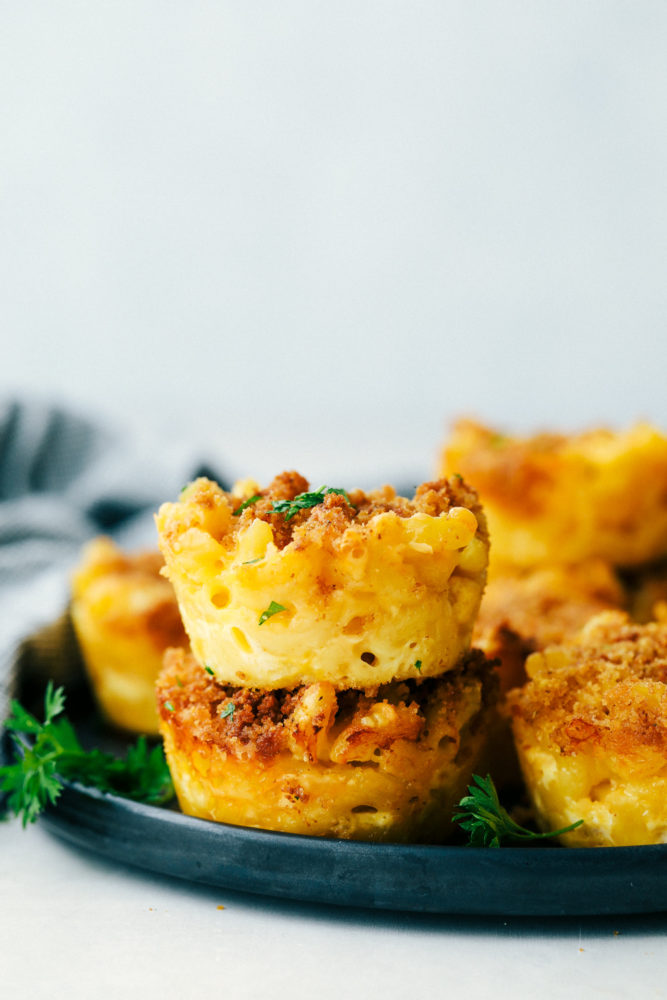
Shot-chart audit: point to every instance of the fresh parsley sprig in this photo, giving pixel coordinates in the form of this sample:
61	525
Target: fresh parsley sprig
305	500
49	753
487	823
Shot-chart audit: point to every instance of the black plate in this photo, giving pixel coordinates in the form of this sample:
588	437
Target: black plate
533	881
506	881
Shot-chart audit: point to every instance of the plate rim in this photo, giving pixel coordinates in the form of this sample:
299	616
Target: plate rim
540	880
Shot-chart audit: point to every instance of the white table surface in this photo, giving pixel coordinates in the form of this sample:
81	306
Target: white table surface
74	925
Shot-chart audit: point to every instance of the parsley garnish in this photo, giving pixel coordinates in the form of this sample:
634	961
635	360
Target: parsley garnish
272	610
249	562
305	500
487	823
418	666
53	755
228	711
169	705
209	670
246	503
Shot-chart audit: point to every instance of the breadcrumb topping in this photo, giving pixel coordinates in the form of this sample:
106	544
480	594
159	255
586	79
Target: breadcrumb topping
338	511
250	723
605	693
521	613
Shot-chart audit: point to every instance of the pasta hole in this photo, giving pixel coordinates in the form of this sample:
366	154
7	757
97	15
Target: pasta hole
355	626
220	598
368	658
600	791
241	640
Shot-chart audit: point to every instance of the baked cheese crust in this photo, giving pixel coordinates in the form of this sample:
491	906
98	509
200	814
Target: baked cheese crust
125	615
591	733
556	498
386	766
355	591
524	612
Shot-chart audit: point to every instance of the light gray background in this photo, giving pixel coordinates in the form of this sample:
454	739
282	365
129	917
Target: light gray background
312	233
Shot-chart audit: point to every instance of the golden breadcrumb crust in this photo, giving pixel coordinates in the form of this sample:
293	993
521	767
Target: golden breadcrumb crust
524	612
556	498
591	733
125	616
364	588
383	765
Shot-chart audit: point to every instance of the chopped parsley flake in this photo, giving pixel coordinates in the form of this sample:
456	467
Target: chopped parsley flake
209	670
169	706
305	500
246	503
228	711
418	666
272	610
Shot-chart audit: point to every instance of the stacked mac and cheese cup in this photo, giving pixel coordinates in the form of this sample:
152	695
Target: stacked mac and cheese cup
330	688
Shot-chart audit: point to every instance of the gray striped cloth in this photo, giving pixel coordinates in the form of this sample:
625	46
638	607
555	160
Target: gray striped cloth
63	480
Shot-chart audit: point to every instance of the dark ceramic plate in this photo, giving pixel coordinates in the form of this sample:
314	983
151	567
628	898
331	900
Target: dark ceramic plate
540	881
545	881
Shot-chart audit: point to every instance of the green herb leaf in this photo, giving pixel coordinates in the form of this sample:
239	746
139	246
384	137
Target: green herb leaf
487	823
228	711
305	500
54	702
246	503
209	670
272	610
250	562
169	705
418	666
52	754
